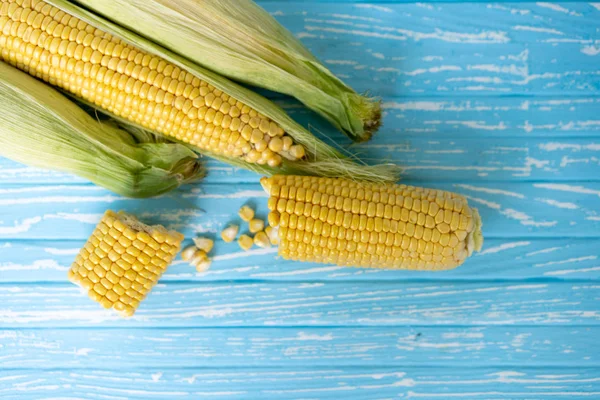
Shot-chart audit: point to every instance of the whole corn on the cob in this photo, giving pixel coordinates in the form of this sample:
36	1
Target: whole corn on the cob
41	127
347	223
122	261
240	40
152	92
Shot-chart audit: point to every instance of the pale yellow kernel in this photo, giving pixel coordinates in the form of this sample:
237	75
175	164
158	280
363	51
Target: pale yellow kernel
245	242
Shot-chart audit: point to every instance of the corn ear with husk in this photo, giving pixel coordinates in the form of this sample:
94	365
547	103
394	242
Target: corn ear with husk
240	40
41	127
137	81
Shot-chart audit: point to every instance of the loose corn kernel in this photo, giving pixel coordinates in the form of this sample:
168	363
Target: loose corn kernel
245	242
339	221
203	266
262	240
108	274
228	234
203	243
188	253
246	213
256	225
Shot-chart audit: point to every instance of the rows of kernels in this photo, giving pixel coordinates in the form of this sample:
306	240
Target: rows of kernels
98	67
349	223
118	266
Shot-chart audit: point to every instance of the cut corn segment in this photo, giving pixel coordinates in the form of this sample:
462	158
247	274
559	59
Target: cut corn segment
256	225
123	260
348	223
228	234
245	242
246	213
134	85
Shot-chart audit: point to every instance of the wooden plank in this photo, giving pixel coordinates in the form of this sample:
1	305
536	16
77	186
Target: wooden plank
519	259
312	304
508	210
319	383
423	48
301	347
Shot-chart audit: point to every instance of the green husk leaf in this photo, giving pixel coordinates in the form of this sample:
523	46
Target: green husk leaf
240	40
42	128
321	158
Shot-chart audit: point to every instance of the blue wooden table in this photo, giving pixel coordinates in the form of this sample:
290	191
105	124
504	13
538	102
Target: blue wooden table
499	102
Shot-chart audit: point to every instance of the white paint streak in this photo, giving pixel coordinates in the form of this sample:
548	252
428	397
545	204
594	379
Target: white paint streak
567	188
244	194
502	247
591	50
571	271
537	29
556	7
243	254
559	204
36	266
303	271
570	260
66	252
21	227
553	146
490	191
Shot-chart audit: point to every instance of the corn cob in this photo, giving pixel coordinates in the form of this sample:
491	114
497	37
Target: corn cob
347	223
151	92
123	260
240	40
42	128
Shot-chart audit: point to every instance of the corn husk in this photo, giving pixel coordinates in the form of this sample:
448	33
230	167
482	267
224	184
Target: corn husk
240	40
41	127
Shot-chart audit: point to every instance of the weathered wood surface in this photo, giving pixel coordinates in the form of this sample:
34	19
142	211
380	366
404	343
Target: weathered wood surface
497	101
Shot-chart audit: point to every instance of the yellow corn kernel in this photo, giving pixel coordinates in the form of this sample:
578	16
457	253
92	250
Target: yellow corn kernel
228	234
203	243
112	272
245	242
246	213
370	225
256	225
262	240
188	253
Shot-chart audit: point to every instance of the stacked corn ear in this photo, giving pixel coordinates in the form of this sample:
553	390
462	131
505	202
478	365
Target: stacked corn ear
122	261
240	40
343	222
42	128
157	90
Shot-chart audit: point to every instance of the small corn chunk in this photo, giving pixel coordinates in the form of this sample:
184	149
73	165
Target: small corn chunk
344	222
203	243
228	234
122	261
262	240
256	225
246	213
139	87
245	242
188	253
